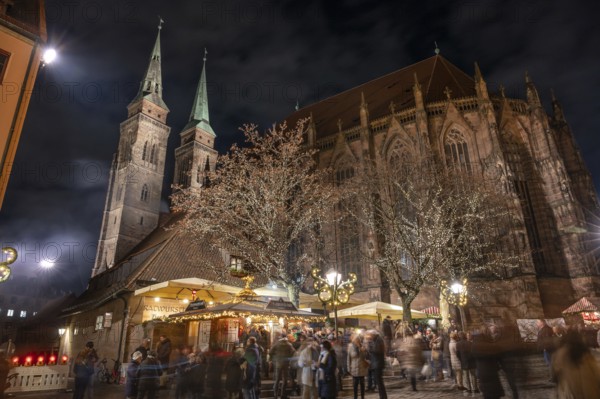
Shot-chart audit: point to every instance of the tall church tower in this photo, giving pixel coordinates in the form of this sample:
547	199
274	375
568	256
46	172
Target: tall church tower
196	155
131	210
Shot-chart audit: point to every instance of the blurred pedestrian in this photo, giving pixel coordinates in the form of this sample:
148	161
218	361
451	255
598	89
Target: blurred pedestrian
144	348
163	350
197	375
358	365
131	386
467	362
149	374
576	370
487	354
308	361
83	369
281	355
411	357
233	374
545	341
326	373
376	349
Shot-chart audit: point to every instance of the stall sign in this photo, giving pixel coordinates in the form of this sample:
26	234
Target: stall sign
196	305
155	310
281	305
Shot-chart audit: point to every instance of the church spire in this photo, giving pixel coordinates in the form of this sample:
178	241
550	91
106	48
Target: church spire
151	87
199	117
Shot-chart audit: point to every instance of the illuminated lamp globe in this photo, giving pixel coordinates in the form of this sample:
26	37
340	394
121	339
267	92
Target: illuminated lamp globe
49	56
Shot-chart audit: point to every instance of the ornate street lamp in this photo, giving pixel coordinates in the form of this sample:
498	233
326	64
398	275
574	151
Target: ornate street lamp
456	294
11	257
332	290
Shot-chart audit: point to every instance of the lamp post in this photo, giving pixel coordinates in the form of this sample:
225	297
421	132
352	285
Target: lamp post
332	290
456	294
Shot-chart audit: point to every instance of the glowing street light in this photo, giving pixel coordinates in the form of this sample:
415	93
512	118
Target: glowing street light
46	264
49	56
456	294
332	290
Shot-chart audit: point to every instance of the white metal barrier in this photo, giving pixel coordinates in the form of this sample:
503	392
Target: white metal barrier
37	378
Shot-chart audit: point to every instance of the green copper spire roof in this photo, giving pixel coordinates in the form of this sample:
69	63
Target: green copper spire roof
151	86
199	117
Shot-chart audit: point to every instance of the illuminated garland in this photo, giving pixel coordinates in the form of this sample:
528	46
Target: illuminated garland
336	294
256	318
452	296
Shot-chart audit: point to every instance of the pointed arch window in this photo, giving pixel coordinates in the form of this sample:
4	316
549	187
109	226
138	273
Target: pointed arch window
153	156
399	156
457	151
144	151
144	195
343	171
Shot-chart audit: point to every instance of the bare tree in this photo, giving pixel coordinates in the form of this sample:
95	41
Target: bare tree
427	224
264	201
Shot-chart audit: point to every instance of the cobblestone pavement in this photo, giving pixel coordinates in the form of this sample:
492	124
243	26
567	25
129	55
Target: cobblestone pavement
396	389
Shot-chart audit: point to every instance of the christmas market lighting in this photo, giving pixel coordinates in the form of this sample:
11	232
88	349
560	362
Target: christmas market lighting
456	294
332	290
10	259
259	318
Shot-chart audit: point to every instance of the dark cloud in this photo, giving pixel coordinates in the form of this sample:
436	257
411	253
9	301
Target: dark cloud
263	55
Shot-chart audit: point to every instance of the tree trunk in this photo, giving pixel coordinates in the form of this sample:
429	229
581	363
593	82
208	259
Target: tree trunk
406	302
293	293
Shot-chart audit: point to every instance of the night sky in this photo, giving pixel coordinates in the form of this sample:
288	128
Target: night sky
262	56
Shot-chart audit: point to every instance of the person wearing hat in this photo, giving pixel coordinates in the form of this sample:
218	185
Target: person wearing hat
149	377
131	386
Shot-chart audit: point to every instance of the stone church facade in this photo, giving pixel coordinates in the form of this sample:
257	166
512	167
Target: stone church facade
510	141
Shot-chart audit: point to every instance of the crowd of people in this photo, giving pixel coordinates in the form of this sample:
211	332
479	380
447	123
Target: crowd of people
313	363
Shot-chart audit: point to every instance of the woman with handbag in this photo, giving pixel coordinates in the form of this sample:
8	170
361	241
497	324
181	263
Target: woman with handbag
358	365
326	373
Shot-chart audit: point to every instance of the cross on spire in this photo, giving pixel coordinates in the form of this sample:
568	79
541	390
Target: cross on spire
205	53
160	22
448	92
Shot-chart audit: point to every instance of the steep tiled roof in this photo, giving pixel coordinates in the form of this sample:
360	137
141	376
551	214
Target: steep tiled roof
434	75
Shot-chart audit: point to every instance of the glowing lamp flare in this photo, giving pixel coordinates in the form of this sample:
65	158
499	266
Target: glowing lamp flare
456	293
49	56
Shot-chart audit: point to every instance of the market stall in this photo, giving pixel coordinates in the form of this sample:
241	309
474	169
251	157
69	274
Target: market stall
224	325
377	311
587	308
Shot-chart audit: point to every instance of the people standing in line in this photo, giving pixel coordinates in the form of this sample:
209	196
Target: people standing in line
467	362
326	373
163	350
281	355
455	360
575	369
358	365
376	348
144	348
308	361
131	385
544	341
149	373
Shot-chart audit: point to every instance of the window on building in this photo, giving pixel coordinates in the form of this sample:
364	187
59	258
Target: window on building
144	151
457	151
153	156
120	192
10	313
141	220
343	173
144	195
99	323
23	313
4	56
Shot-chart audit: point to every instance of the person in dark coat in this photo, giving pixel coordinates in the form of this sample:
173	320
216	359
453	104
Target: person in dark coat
83	369
149	377
131	386
281	354
376	349
233	375
326	373
163	350
545	341
487	355
144	348
250	364
467	362
388	333
197	375
182	368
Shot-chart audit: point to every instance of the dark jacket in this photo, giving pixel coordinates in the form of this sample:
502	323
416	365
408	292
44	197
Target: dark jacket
131	386
163	350
487	355
387	328
328	366
465	354
149	373
233	375
376	349
544	339
282	352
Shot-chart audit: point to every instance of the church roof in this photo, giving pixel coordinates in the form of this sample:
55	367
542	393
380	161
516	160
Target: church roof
168	253
434	75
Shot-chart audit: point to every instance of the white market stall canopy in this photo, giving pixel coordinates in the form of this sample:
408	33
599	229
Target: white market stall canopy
377	311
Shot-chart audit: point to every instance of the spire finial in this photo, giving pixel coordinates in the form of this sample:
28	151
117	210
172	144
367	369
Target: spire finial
339	123
205	53
448	92
552	95
392	107
437	49
502	91
527	77
160	22
362	98
297	105
478	75
417	84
